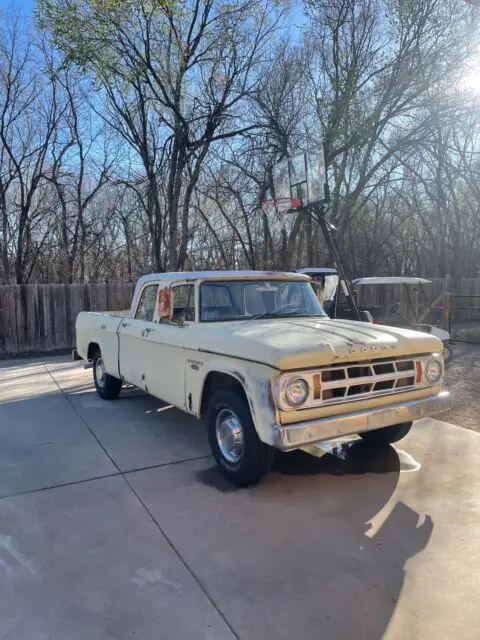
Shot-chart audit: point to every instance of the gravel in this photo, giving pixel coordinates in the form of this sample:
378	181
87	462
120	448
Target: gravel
463	381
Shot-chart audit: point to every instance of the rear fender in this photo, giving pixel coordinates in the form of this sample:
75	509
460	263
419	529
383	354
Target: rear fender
99	329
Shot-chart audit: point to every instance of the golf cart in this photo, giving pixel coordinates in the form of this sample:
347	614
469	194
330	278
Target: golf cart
410	318
325	281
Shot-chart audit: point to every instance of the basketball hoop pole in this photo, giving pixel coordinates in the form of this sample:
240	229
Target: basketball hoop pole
300	183
328	231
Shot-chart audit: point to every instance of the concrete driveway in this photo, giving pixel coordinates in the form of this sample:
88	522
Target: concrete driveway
115	524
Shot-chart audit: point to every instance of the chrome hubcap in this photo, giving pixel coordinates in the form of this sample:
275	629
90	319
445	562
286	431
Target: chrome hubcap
229	435
100	372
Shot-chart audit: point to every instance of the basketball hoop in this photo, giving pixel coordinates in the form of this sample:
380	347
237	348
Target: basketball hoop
276	210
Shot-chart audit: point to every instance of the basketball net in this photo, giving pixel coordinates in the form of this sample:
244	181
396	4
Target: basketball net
279	213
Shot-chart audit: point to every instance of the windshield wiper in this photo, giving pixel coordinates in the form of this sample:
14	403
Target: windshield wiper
266	314
301	314
287	314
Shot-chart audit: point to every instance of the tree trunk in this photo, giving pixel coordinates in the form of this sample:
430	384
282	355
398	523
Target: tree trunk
4	243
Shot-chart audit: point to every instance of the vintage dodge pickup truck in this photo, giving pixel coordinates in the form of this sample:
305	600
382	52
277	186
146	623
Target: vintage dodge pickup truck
254	353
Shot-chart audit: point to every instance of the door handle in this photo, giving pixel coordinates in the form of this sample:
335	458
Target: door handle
125	324
148	331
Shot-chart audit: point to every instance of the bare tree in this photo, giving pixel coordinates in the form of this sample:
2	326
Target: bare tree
378	67
80	169
187	69
29	115
144	142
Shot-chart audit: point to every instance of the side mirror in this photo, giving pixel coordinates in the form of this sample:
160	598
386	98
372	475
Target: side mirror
366	316
165	305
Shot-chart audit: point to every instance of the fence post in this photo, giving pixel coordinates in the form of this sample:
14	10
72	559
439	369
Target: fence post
413	307
446	311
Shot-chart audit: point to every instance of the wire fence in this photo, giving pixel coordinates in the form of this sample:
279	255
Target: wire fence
451	304
465	318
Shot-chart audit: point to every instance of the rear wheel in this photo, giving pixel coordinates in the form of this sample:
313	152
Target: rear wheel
240	454
387	435
108	387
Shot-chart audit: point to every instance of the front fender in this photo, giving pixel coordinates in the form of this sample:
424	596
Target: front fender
256	381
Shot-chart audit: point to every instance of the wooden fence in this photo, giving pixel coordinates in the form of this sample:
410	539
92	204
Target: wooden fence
41	317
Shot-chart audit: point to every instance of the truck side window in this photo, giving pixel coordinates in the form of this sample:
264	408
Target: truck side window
184	303
146	306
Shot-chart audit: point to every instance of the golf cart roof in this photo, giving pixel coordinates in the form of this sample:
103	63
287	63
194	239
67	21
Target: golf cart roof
318	271
392	280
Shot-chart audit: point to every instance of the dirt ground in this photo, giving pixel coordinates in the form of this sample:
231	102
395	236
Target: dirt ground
463	380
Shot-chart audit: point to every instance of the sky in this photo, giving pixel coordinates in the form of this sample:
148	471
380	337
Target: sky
25	5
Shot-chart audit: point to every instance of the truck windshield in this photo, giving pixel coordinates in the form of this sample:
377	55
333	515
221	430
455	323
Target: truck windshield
253	299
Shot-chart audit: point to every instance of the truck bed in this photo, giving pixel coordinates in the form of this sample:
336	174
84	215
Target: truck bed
101	329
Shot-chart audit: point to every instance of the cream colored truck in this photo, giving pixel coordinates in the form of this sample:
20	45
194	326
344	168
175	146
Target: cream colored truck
254	353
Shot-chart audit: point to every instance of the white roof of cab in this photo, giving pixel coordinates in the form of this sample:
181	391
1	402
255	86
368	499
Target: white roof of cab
392	280
221	275
321	271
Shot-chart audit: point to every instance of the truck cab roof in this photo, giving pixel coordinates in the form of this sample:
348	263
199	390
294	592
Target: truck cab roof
221	275
318	271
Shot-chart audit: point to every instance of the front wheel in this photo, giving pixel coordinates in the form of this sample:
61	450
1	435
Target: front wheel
447	353
106	385
387	435
240	454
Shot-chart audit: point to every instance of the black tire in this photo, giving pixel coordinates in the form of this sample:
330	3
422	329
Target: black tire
387	435
447	354
256	457
109	387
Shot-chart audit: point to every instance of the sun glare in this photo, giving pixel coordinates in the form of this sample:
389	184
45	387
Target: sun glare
472	81
471	76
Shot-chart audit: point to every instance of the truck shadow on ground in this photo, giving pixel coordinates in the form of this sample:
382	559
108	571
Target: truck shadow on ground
353	457
348	458
342	537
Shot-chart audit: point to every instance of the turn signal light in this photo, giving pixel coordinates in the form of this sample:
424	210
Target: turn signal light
317	388
418	367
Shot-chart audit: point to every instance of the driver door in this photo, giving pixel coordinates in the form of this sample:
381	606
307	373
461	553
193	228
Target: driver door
165	347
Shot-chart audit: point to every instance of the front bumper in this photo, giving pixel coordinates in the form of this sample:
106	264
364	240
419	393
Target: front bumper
293	436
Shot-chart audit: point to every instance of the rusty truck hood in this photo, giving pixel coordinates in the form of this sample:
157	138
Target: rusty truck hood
296	343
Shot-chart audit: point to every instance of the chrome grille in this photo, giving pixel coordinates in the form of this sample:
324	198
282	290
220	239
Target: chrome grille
364	380
354	381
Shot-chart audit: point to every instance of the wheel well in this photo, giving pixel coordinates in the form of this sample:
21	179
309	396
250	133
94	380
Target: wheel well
92	347
216	381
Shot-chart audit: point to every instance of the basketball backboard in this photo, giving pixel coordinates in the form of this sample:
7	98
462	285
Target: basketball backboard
301	176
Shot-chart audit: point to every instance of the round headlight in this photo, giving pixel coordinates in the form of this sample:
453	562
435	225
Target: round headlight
433	371
296	391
